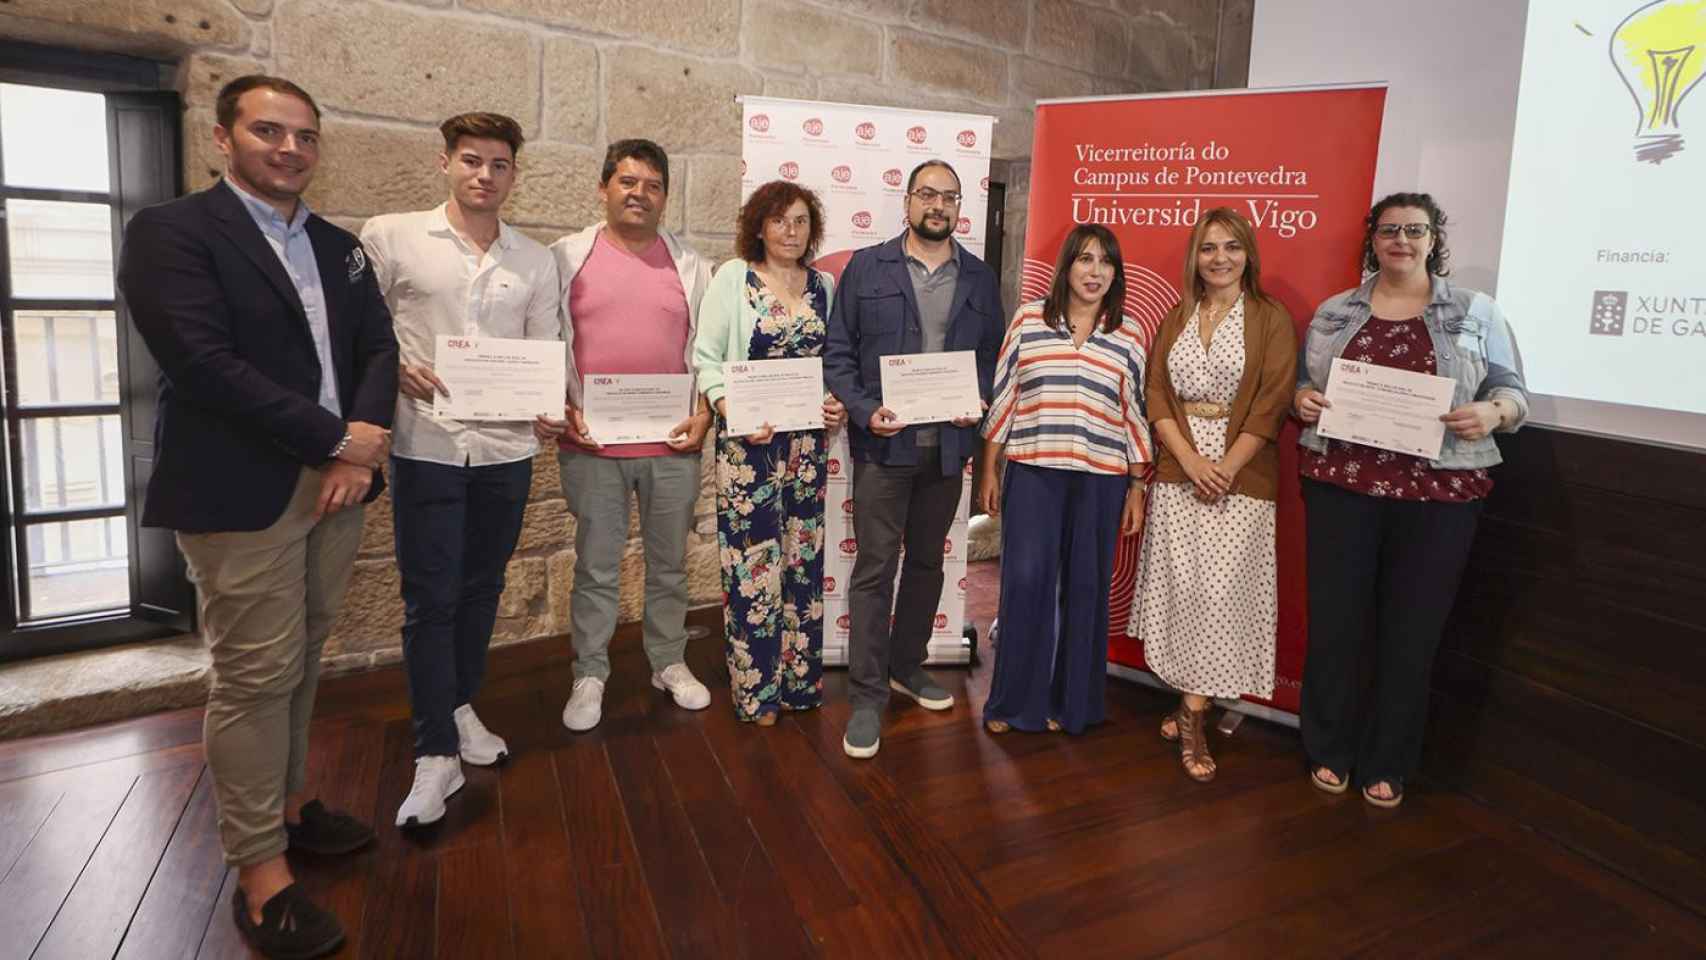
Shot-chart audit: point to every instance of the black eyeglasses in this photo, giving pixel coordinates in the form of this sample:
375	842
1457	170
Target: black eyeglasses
948	197
1415	231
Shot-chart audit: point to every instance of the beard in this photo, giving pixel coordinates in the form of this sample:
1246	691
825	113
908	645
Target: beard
922	228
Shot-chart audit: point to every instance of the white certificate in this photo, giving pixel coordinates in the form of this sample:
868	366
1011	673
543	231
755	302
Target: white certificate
931	387
1384	407
787	394
635	407
491	378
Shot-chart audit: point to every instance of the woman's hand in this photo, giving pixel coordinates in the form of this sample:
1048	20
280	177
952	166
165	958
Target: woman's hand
1308	404
1207	479
1131	517
762	435
834	412
1473	421
989	491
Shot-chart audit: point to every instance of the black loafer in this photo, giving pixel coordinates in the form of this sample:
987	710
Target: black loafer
328	833
292	926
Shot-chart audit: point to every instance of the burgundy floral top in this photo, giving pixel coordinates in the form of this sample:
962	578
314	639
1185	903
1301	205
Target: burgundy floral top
1403	344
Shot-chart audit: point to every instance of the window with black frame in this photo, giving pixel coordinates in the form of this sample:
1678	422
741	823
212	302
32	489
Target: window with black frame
75	162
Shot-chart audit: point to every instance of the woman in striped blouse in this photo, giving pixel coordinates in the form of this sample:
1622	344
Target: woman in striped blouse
1068	413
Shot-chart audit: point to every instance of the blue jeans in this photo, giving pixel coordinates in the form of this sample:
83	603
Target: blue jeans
455	529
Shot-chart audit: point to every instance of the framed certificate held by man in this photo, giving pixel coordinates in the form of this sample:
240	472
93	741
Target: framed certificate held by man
931	387
785	394
493	378
1388	408
635	407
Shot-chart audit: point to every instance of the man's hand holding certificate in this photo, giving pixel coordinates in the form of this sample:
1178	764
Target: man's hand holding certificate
1387	408
491	378
635	408
931	387
783	394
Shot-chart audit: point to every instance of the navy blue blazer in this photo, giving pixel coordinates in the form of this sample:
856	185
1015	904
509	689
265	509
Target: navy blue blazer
239	413
876	315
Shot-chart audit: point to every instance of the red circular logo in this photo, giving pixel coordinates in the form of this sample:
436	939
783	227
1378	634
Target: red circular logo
866	131
917	134
948	545
862	219
841	174
964	226
849	546
893	176
963	583
743	166
984	184
760	122
789	170
967	139
829	584
812	127
847	505
941	621
833	466
845	621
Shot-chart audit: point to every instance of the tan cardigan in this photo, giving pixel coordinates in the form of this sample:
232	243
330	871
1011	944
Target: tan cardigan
1259	407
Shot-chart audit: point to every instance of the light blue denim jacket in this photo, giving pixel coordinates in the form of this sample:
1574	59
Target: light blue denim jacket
1472	344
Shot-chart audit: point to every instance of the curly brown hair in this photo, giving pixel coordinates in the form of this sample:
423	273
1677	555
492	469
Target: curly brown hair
773	200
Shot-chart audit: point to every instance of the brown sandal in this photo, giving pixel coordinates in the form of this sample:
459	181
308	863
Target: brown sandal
1193	744
997	726
1171	717
767	719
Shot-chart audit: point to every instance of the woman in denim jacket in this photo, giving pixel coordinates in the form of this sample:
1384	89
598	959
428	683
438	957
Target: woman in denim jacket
1389	533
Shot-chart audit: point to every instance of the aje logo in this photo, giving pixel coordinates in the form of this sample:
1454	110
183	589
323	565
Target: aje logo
941	621
849	547
862	220
759	122
847	505
1610	309
828	584
893	176
866	131
789	170
916	135
841	174
967	138
964	226
813	127
833	467
983	184
845	621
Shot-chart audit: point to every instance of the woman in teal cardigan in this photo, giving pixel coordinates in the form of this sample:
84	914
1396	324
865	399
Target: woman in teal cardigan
767	304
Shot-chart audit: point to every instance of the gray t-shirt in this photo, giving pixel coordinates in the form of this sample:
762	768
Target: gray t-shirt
935	293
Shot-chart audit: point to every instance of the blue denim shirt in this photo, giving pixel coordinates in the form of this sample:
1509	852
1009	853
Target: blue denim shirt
1472	345
289	240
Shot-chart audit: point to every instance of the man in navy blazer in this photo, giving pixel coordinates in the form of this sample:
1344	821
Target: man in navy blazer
918	293
277	387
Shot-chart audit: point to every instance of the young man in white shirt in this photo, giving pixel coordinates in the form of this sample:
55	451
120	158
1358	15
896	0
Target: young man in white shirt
631	294
458	488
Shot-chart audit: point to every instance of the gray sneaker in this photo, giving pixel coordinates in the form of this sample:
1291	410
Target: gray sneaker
927	692
864	734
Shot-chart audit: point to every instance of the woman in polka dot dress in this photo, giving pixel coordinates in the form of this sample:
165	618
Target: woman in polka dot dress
1220	376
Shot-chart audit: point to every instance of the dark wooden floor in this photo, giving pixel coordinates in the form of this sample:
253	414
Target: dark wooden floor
668	834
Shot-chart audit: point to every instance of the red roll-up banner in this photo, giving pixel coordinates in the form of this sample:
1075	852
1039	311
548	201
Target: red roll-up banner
1298	163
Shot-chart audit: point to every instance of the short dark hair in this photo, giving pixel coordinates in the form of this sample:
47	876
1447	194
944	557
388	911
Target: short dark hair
225	105
639	149
482	126
933	162
1060	289
772	200
1437	255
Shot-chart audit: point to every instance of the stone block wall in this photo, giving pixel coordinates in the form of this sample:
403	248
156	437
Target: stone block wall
578	73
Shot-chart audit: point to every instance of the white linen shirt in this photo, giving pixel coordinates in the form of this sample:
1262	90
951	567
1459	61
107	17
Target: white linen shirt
437	283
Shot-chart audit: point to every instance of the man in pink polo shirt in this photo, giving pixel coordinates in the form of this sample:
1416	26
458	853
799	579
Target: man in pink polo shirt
631	299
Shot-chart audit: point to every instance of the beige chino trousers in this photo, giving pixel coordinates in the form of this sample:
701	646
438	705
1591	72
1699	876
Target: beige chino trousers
267	600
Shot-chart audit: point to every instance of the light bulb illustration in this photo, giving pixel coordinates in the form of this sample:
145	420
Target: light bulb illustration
1659	51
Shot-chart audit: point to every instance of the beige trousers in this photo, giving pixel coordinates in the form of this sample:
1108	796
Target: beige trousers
267	600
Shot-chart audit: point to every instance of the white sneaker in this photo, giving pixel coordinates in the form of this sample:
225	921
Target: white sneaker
688	692
585	706
480	747
436	780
